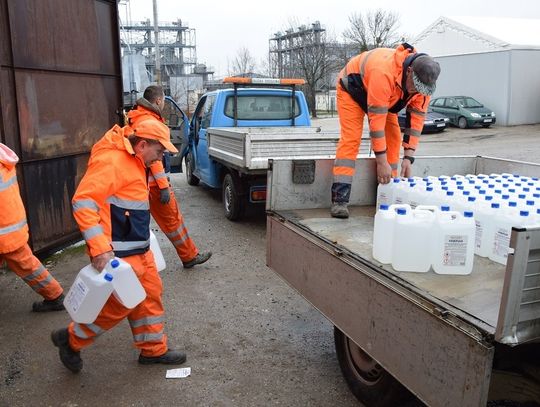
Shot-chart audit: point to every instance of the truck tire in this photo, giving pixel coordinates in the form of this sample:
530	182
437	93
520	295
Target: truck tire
233	202
367	380
191	179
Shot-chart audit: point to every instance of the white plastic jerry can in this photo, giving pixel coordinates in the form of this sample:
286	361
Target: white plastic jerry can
88	294
156	251
383	229
127	287
453	243
412	239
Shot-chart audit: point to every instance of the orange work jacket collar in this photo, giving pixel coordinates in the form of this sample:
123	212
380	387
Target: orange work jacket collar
143	108
114	139
400	54
8	158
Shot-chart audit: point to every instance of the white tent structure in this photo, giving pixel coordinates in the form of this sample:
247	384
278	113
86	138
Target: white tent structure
494	60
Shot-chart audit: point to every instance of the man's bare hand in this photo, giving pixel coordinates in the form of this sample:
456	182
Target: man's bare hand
384	172
406	169
100	261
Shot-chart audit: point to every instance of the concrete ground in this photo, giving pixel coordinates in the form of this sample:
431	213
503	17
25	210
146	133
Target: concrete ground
251	340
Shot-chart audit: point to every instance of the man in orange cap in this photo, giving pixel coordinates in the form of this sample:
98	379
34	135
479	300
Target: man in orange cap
112	210
380	83
163	204
14	247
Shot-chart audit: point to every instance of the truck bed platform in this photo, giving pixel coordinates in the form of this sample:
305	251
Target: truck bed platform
475	297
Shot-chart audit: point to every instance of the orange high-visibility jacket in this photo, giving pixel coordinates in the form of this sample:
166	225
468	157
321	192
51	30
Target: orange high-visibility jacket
111	202
380	72
13	226
142	111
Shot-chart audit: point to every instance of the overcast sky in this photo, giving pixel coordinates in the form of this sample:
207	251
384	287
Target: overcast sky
223	27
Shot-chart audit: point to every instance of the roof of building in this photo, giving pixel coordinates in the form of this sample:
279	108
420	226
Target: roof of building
498	31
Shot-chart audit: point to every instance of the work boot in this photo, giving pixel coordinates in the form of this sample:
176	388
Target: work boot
339	210
71	359
198	259
171	357
49	305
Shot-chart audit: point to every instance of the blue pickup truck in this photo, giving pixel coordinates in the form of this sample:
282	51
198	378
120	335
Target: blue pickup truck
235	132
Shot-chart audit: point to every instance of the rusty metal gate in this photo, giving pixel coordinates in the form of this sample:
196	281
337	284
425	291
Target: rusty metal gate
60	90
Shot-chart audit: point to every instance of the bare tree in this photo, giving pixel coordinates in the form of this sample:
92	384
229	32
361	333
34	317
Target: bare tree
373	29
242	64
305	52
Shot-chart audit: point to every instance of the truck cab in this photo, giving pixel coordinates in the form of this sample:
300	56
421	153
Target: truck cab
251	103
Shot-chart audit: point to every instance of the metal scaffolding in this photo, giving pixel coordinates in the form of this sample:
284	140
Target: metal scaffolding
177	48
285	48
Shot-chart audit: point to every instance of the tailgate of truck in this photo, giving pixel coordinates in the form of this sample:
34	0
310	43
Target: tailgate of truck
250	148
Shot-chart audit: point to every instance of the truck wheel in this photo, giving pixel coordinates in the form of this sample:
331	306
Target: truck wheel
367	380
191	179
462	123
232	198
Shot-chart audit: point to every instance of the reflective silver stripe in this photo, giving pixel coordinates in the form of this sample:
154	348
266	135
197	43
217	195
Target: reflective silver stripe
393	166
42	284
12	228
175	232
8	183
376	134
140	244
92	232
146	321
412	132
343	162
343	179
95	329
378	109
126	204
179	236
363	67
416	112
148	337
78	331
35	274
159	175
85	204
177	242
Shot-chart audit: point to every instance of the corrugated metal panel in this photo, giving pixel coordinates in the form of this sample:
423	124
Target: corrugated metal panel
60	90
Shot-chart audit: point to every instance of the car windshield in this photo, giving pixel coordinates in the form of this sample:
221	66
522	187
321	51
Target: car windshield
468	102
263	107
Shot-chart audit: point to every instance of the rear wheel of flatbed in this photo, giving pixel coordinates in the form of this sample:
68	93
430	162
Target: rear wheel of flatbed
367	380
233	202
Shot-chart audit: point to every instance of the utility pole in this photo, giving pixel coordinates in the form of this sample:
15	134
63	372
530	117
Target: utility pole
156	32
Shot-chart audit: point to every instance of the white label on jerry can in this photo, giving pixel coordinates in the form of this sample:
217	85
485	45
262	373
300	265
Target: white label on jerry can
76	294
455	250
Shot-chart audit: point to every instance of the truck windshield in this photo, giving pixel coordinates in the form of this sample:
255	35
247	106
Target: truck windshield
263	107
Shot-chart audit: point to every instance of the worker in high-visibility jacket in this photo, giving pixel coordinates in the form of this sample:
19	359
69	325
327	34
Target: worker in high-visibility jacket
111	208
380	83
163	204
14	248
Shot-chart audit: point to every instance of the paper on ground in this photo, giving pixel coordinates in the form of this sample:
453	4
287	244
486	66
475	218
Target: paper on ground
178	373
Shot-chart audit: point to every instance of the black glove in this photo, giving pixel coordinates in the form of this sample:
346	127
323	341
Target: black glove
164	195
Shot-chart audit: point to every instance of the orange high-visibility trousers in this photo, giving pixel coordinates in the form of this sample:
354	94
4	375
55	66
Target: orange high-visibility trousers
146	319
171	222
27	266
351	121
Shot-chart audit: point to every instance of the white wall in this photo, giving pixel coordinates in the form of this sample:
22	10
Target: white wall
483	76
524	75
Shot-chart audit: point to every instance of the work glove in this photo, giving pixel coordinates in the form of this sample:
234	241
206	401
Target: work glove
164	196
